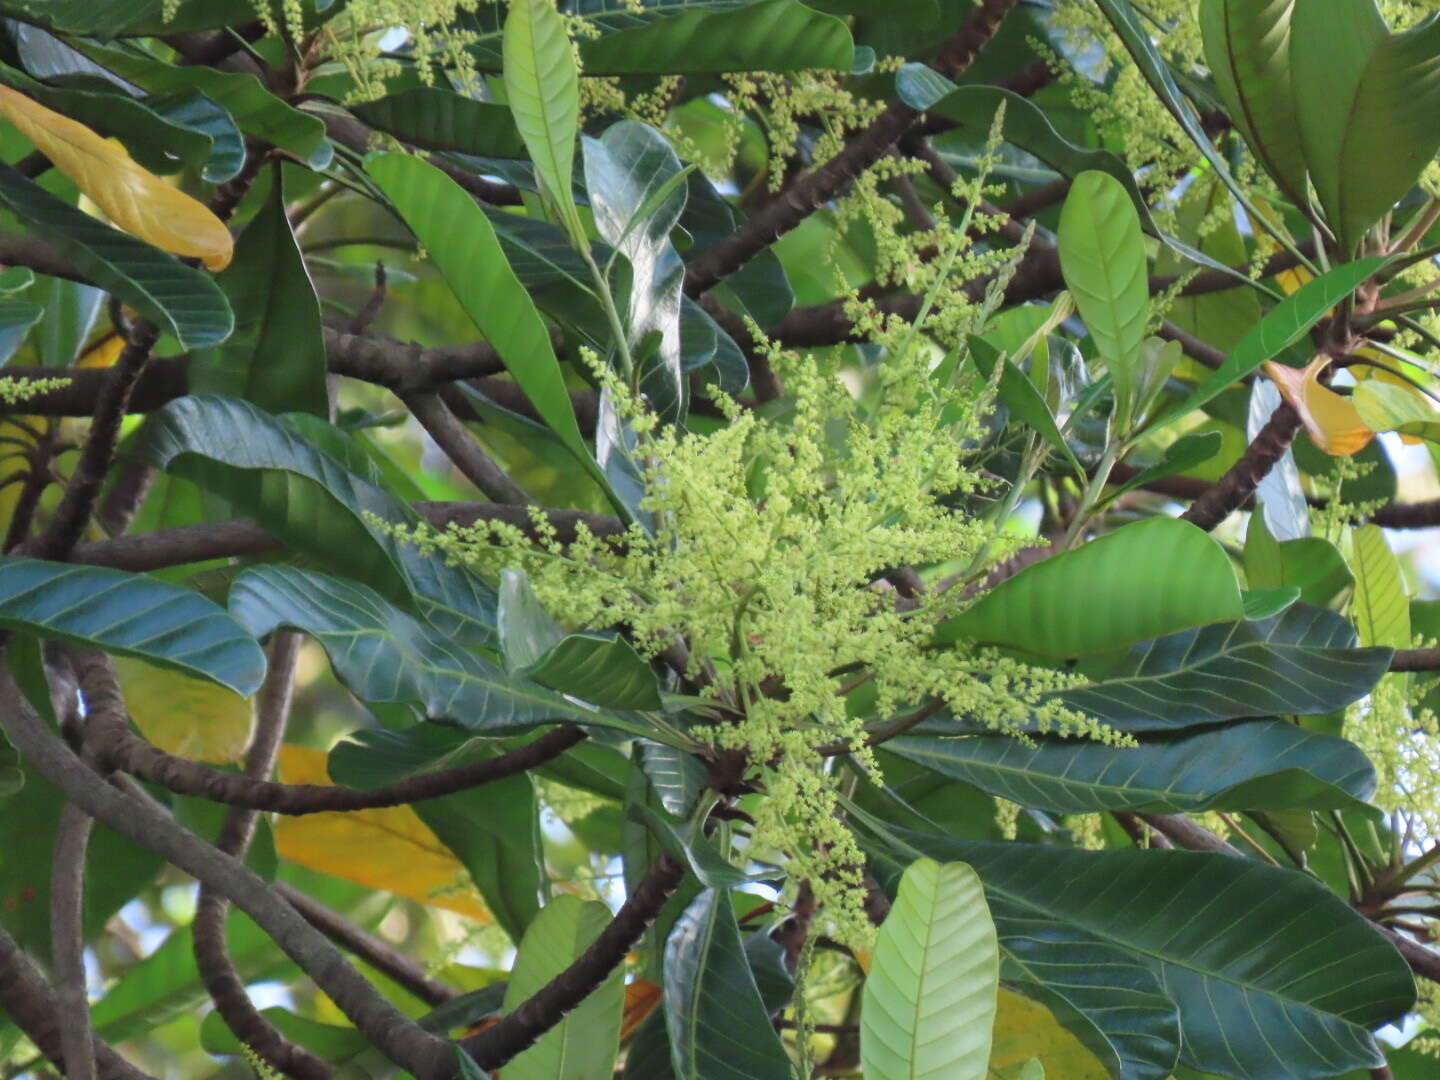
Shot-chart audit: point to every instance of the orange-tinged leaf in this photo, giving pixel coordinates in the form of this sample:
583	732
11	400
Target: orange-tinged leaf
641	997
1332	421
388	849
191	718
133	198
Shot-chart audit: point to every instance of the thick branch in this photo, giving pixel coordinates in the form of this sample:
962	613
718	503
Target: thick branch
496	1045
401	1040
1233	489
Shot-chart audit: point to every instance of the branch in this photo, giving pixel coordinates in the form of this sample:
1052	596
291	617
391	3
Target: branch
1415	660
817	187
67	937
496	1045
462	449
400	1039
212	953
1233	489
28	1000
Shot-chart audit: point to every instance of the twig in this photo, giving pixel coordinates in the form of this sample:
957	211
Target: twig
496	1045
371	308
1231	491
462	449
67	937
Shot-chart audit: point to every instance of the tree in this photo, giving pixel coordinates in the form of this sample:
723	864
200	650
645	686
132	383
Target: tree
723	540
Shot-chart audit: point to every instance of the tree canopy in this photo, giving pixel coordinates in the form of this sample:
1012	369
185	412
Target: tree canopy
719	539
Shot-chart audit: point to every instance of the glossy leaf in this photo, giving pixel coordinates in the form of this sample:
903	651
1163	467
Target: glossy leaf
1379	606
677	778
1263	765
385	655
603	669
276	357
1303	661
174	296
1145	579
130	615
718	1027
930	995
581	1046
1102	255
135	200
437	119
1281	980
459	237
388	848
184	716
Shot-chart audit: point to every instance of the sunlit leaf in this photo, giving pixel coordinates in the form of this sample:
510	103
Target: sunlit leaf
1379	606
1332	422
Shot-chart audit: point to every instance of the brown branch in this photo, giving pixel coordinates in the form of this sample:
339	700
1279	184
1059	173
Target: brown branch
815	188
496	1045
127	752
376	952
67	937
212	953
462	448
1415	660
400	1039
1233	489
30	1002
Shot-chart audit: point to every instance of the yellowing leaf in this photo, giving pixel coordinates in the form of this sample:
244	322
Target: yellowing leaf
103	353
641	999
1026	1031
388	849
191	718
1291	280
133	198
1332	421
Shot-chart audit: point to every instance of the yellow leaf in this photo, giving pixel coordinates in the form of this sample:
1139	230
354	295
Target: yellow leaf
641	999
133	198
1026	1031
188	717
388	849
103	353
1332	421
17	441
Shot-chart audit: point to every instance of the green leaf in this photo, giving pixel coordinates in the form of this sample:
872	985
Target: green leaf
527	630
276	357
1303	661
1021	397
1182	455
677	778
1247	47
1261	765
137	16
1384	406
255	109
583	1045
1266	603
930	995
542	86
130	615
384	655
690	846
176	297
1279	329
718	1026
1380	607
772	35
1276	978
333	1042
438	119
459	237
603	669
1102	255
1148	578
1331	43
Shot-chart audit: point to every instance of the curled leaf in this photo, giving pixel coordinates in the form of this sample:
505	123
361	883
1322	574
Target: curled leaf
132	198
1332	421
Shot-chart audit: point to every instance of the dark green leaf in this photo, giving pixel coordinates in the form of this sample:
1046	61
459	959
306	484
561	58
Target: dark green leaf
437	119
677	778
329	1041
603	669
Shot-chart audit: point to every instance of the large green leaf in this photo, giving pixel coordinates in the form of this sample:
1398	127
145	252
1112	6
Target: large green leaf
306	498
1380	608
1144	579
1275	977
1331	43
385	655
134	16
601	668
1247	46
542	86
1264	765
459	237
176	297
276	357
1279	329
1102	255
718	1026
772	35
582	1046
439	119
130	615
254	108
930	995
1303	661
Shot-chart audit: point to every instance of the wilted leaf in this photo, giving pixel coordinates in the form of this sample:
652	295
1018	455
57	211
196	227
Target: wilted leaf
1332	421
